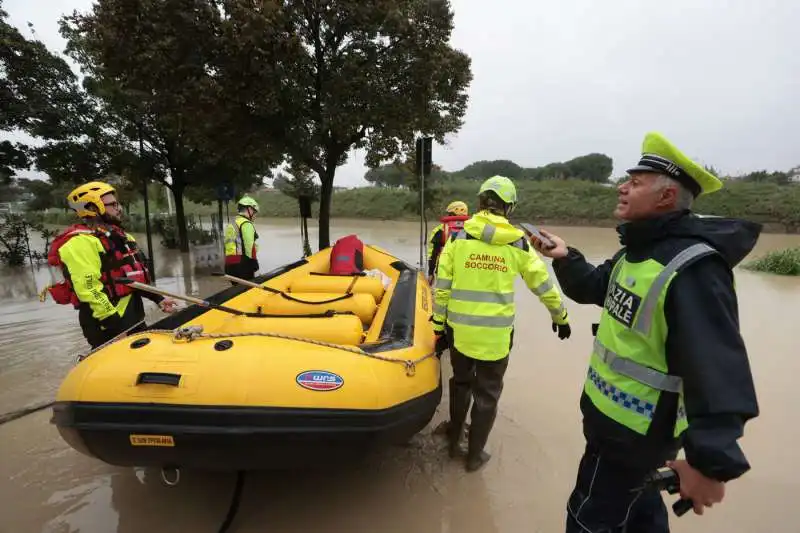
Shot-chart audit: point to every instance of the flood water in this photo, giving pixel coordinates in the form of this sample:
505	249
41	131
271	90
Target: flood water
45	486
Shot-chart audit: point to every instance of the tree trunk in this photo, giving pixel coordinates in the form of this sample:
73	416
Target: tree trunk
325	197
180	218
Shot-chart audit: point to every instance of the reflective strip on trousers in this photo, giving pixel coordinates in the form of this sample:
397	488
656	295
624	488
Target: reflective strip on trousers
644	318
480	320
641	373
623	399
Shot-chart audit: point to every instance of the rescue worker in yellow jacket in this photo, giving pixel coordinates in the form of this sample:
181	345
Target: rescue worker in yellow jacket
456	214
473	312
241	250
92	254
668	367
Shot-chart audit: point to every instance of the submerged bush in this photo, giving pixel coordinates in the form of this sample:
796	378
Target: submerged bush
783	262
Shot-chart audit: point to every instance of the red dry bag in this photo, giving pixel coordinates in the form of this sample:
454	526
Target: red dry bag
347	256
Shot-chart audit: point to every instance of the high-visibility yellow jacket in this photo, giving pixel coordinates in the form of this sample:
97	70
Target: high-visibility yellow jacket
82	256
240	240
474	289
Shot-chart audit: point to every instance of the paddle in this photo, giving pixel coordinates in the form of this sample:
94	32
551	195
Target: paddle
191	299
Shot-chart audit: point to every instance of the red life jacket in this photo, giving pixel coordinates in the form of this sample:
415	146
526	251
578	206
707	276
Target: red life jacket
452	224
347	256
122	258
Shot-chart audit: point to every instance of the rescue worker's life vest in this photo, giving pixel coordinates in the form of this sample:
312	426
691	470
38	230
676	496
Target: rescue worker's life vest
628	367
234	241
451	225
347	256
121	258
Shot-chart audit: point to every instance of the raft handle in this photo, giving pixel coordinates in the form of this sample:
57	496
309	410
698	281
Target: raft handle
158	378
176	478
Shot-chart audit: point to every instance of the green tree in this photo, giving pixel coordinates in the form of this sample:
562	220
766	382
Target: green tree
39	95
13	157
297	182
317	79
480	170
763	176
390	175
592	167
149	65
712	170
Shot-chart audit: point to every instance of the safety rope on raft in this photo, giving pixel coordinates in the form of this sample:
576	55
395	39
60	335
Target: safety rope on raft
190	333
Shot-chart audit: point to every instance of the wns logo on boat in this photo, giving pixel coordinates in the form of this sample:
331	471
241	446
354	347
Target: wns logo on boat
319	380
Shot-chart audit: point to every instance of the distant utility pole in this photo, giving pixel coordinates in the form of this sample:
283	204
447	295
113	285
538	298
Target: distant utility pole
424	161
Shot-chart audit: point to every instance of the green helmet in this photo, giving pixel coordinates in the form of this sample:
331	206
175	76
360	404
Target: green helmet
502	186
246	201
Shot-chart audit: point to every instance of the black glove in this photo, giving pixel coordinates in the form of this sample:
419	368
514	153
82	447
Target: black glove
563	330
112	324
442	343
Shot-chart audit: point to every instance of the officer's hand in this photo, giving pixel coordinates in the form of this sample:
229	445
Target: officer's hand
703	491
168	305
556	252
563	330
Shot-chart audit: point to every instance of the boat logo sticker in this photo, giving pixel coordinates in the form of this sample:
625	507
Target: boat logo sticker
319	380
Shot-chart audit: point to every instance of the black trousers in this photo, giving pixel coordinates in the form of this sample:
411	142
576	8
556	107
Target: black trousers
96	335
246	269
481	381
608	498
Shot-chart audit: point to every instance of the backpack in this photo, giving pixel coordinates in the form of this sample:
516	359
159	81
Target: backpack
452	224
347	256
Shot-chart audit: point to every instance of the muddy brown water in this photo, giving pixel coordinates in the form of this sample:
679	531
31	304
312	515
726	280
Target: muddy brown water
45	486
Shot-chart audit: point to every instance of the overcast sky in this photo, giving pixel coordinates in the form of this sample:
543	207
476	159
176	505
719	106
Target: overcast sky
561	78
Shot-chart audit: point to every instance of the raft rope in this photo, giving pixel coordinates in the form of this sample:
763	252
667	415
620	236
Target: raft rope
234	506
191	333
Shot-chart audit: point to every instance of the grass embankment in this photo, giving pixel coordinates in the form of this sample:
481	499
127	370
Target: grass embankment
552	202
783	262
557	202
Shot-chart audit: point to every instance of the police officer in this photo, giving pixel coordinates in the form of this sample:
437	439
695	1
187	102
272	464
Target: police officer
457	213
473	310
241	250
92	254
668	368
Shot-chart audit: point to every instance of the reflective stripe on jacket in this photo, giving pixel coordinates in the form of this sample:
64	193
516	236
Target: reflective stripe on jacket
82	258
240	239
628	367
474	290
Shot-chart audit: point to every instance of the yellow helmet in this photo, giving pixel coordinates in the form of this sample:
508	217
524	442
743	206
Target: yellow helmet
457	208
89	194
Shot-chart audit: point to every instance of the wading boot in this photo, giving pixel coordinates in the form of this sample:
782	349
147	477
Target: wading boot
482	422
459	406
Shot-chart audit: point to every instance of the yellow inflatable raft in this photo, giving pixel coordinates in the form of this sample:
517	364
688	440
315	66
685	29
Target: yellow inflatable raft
319	367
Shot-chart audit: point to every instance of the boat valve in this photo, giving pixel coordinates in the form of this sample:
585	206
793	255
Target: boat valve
176	478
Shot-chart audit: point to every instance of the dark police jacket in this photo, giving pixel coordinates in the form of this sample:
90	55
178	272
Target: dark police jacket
703	344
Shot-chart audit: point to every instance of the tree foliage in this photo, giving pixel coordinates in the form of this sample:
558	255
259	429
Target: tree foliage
316	79
480	170
39	95
149	65
299	181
